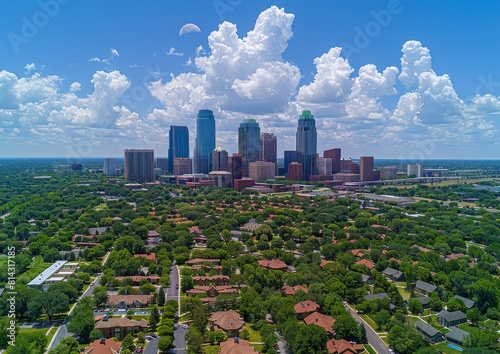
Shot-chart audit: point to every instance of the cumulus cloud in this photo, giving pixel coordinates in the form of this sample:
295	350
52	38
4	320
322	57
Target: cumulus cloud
416	60
30	67
174	52
246	75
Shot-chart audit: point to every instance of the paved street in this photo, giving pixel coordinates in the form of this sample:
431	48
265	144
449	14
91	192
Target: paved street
173	292
152	347
373	339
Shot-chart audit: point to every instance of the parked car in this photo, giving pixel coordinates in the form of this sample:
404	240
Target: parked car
185	326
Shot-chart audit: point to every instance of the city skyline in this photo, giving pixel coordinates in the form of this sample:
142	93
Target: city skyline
377	80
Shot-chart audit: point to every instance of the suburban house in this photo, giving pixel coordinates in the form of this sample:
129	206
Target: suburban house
393	274
211	280
120	327
273	264
369	264
236	346
341	346
367	279
456	335
291	290
230	322
431	333
321	320
151	257
467	302
129	301
425	301
450	319
424	288
212	291
379	296
305	308
103	346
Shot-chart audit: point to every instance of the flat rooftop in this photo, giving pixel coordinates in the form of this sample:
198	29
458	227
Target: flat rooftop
47	273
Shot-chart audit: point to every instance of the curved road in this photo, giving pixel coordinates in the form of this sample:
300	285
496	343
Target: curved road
373	339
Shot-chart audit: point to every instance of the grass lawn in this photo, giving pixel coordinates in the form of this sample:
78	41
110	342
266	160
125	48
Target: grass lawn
258	347
466	327
25	331
369	349
445	349
34	269
404	293
210	349
140	317
371	323
254	336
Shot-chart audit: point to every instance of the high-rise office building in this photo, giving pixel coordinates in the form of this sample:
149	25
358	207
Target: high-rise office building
324	166
237	165
178	144
290	156
335	155
261	170
109	168
306	143
205	141
295	172
366	168
139	165
388	172
183	166
268	147
162	164
415	170
219	159
249	140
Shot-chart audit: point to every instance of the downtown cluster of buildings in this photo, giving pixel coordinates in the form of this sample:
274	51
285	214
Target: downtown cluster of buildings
255	160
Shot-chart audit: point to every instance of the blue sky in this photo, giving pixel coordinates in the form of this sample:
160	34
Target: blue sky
393	79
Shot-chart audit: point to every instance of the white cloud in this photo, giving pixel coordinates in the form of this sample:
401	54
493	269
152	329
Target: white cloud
174	52
416	60
114	52
30	67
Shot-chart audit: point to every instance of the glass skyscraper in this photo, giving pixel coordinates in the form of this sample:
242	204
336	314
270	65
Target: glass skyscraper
205	141
249	140
306	143
178	144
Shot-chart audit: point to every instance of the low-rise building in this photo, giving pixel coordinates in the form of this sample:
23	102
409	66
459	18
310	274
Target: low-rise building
230	322
103	346
236	346
305	308
424	287
431	333
456	335
120	327
273	264
129	301
321	320
450	319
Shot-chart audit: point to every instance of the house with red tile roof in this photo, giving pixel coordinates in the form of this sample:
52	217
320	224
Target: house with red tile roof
129	301
120	327
321	320
236	346
305	308
291	290
341	346
103	346
367	263
273	264
151	257
230	322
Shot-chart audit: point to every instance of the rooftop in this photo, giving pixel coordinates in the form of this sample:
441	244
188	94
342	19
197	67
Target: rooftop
47	273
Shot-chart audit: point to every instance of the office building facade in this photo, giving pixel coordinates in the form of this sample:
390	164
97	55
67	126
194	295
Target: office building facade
139	165
289	157
324	166
414	170
183	166
335	155
306	143
205	141
219	159
249	140
295	172
268	147
366	168
178	144
109	168
261	170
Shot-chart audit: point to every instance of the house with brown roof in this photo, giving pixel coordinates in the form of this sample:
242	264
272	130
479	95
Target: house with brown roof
366	262
230	322
291	290
211	280
151	257
129	301
324	263
236	346
273	264
305	308
321	320
212	291
103	346
340	346
120	327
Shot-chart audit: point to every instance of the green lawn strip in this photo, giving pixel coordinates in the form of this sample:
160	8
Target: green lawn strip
258	347
210	349
371	323
140	317
254	336
443	348
369	349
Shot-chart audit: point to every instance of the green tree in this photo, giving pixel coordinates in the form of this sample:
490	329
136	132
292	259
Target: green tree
67	345
128	342
100	295
48	303
474	315
382	318
415	306
82	321
346	327
154	318
435	302
95	334
455	304
165	343
161	297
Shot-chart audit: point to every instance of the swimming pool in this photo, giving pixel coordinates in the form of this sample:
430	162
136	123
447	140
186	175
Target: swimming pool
453	346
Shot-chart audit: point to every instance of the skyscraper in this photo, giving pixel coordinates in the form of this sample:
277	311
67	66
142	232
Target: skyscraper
219	159
178	144
249	140
205	141
415	170
290	156
335	155
268	147
366	168
139	165
109	168
306	143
